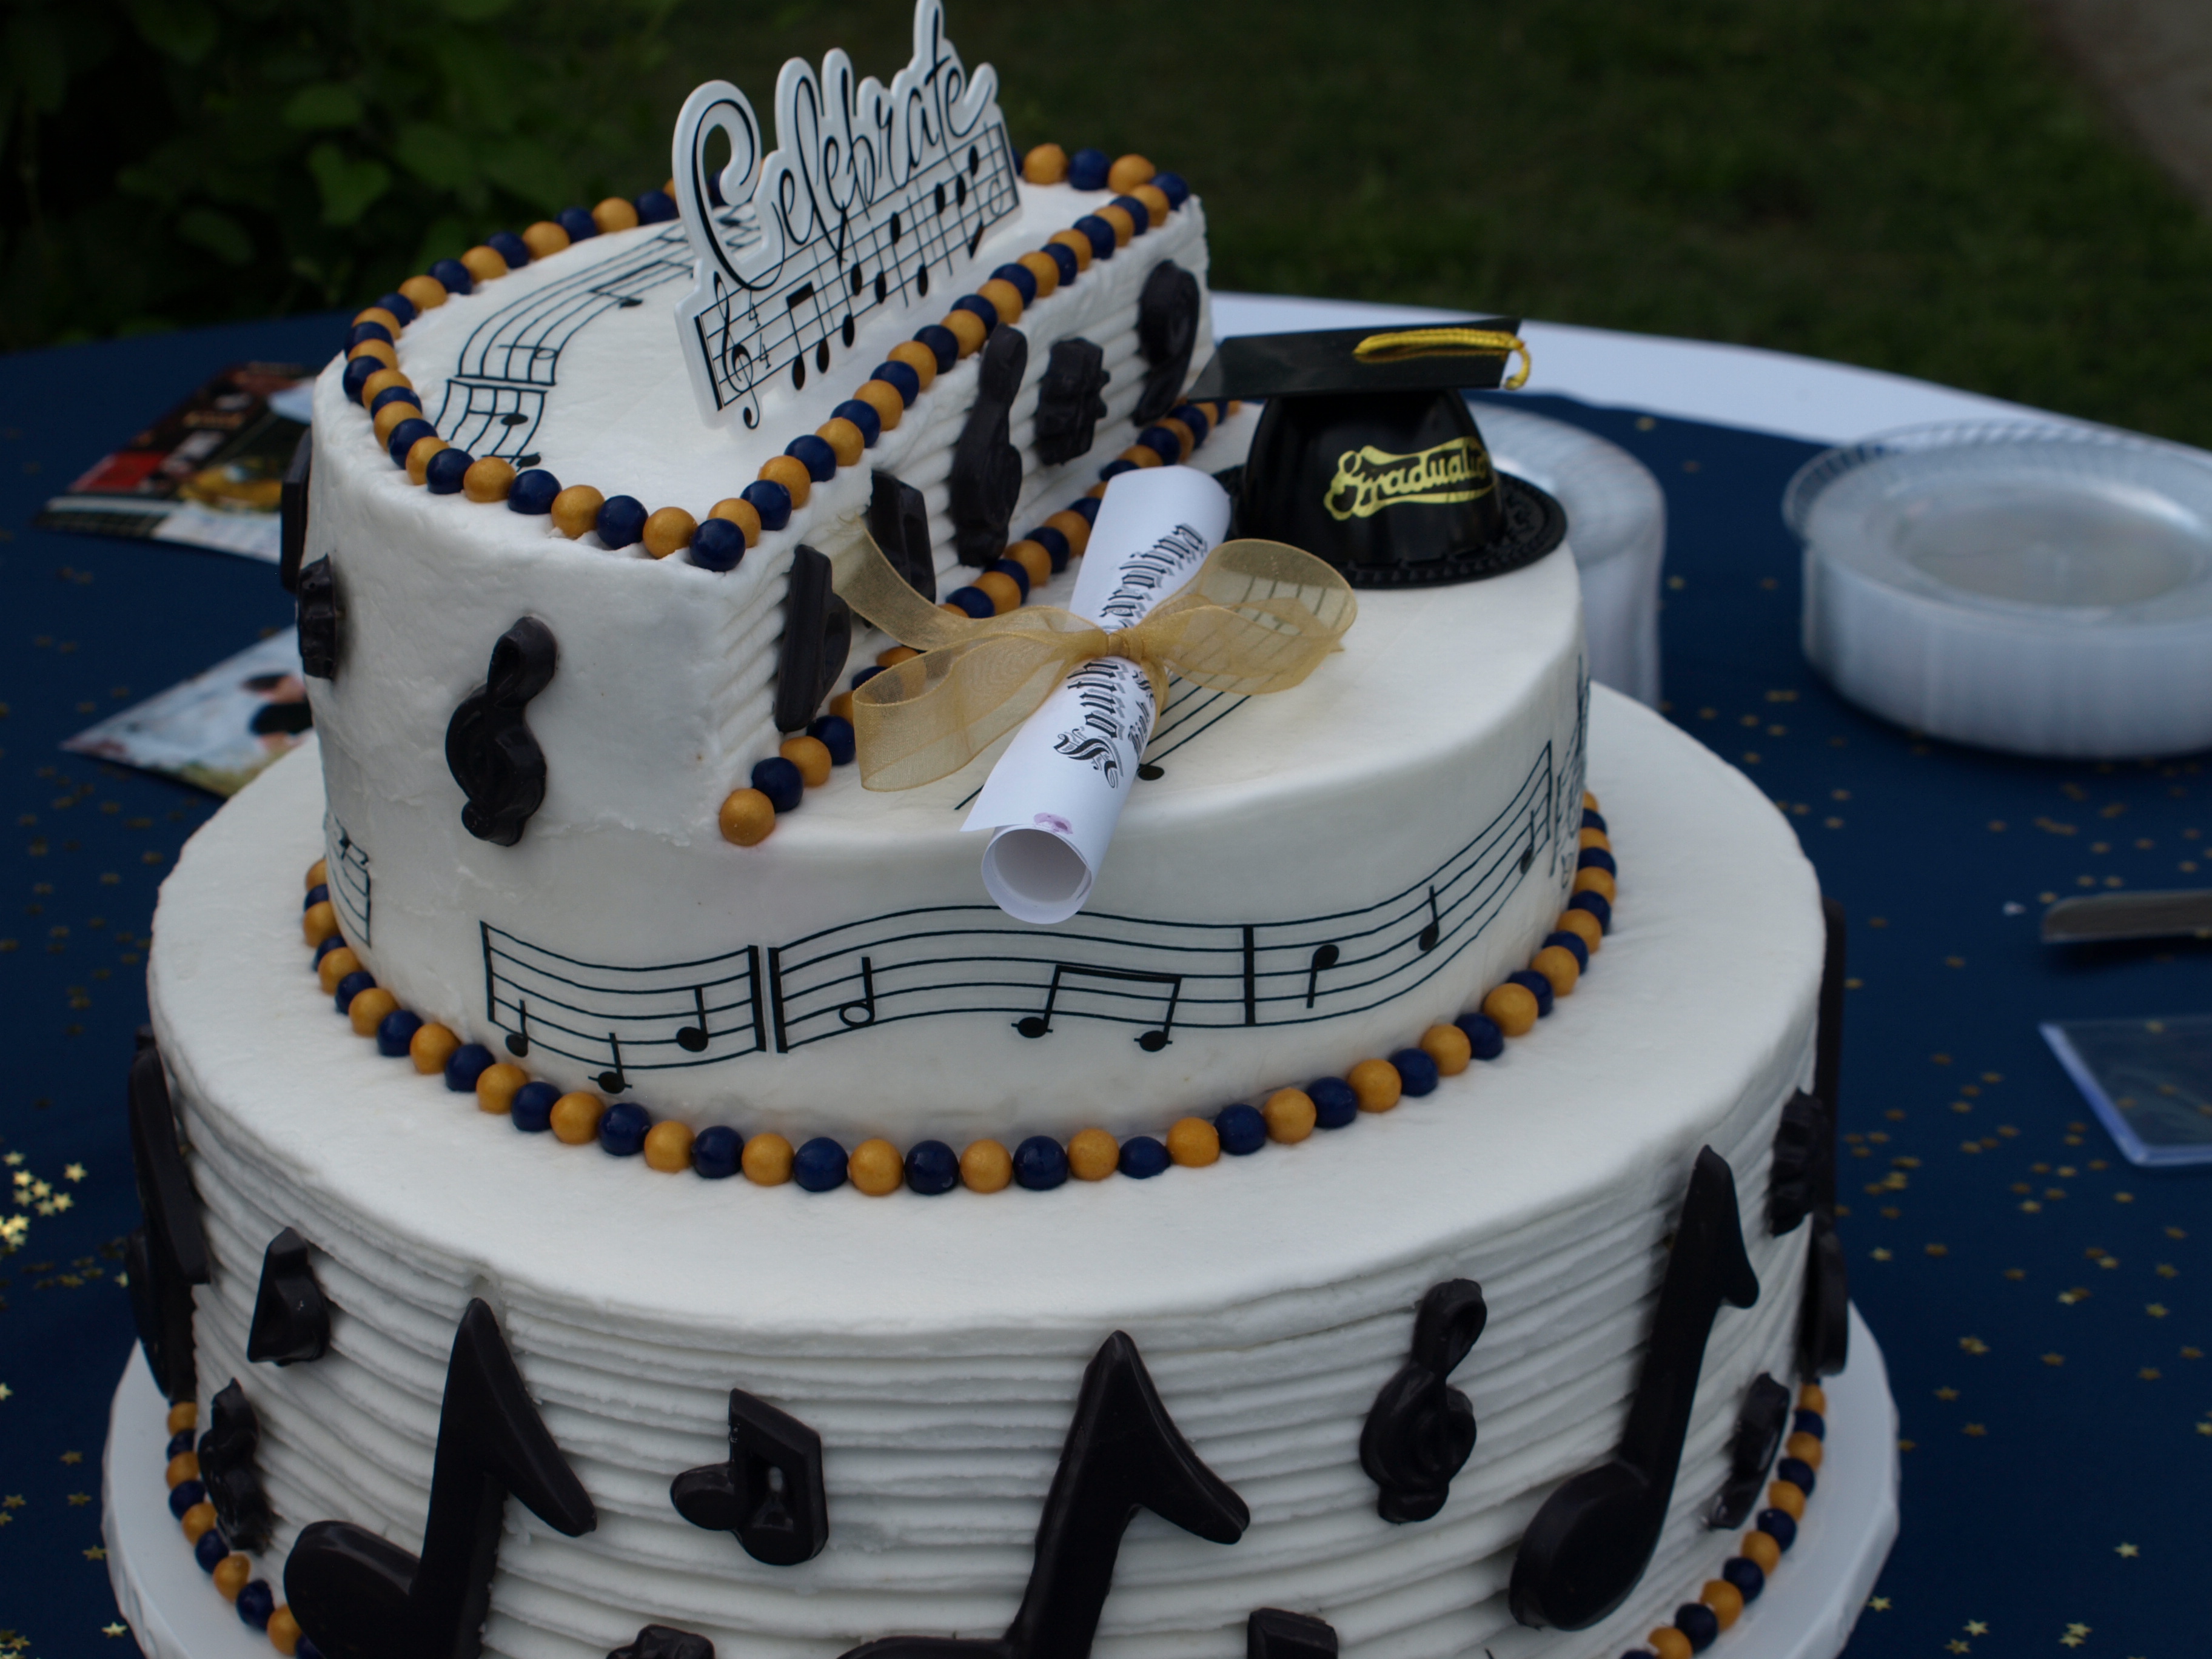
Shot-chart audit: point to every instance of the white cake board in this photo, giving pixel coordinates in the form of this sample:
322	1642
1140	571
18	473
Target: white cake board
1807	1611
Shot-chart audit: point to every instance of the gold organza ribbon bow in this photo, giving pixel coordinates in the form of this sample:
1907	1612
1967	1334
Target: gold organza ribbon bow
1258	616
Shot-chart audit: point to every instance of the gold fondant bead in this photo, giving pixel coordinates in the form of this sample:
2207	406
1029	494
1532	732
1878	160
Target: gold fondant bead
1596	838
876	1168
1812	1397
668	1147
667	528
1140	455
1805	1447
545	239
741	513
431	1048
484	264
669	190
1076	243
614	213
1668	1643
381	382
884	397
284	1631
1092	1155
1377	1085
378	315
791	473
986	1167
1193	1143
387	419
1034	560
1589	802
232	1574
1124	226
847	441
967	328
185	1466
1761	1548
335	967
841	705
767	1160
747	817
379	350
1788	1497
1591	881
1096	492
1045	269
1513	1007
1128	172
1447	1046
1557	963
1155	202
894	655
1006	299
576	510
423	292
1047	164
487	480
182	1417
810	755
1290	1114
495	1087
576	1118
368	1009
197	1519
1073	526
418	458
918	357
1004	593
1584	925
1186	439
1724	1599
318	922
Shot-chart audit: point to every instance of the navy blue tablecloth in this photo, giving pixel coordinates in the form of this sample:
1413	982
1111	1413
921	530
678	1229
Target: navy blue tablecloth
2042	1303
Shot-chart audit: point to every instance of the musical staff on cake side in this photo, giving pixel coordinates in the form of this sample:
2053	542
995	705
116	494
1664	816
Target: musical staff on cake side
345	872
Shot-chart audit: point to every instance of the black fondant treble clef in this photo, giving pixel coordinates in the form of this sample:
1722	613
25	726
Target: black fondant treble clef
1589	1544
489	745
1420	1430
985	480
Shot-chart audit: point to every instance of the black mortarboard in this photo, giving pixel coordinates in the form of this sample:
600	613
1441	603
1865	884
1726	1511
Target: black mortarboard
1368	456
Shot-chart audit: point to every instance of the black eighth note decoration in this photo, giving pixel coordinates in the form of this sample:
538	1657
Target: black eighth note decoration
166	1256
360	1597
1588	1546
1420	1430
291	1320
1272	1633
769	1495
489	746
1758	1435
1123	1454
818	637
319	616
1152	1041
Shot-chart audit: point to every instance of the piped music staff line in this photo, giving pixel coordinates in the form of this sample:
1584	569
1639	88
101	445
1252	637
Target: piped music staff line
618	1020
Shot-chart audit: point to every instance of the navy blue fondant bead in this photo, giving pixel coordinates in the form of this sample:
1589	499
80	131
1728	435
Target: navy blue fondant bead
1335	1104
932	1167
1017	570
780	781
655	206
943	342
622	521
509	247
1797	1472
453	276
1592	821
533	492
531	1109
623	1129
1063	256
352	986
255	1603
1573	945
335	942
1417	1073
862	676
1193	417
864	416
1040	1163
397	1032
717	1151
1099	233
1700	1623
1087	169
1086	507
1596	858
399	305
185	1493
718	545
356	376
1054	544
973	600
210	1550
980	308
1141	216
1778	1525
901	379
360	332
1537	987
1113	469
1598	905
811	450
1242	1129
406	435
316	895
578	222
1162	443
445	470
393	394
1172	185
1747	1575
768	499
819	1165
1143	1158
835	732
181	1442
1022	278
1812	1423
466	1066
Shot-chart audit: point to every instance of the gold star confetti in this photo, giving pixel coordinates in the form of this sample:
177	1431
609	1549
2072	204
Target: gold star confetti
72	1457
2149	1373
1956	1646
1878	1603
2054	1359
2166	1270
2077	1630
2070	1640
2077	1294
1976	1430
12	1159
95	1553
1946	1394
74	1171
2155	1310
115	1630
2128	1550
6	1393
78	1500
1880	1254
1976	1627
1973	1345
14	1500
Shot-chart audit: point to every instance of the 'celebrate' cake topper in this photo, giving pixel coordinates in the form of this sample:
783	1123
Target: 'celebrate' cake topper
872	196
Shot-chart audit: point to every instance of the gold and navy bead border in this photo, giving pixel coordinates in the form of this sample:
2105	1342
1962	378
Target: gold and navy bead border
231	1570
1039	1163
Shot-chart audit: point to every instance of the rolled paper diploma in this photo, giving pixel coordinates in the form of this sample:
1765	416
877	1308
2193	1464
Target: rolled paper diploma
1056	793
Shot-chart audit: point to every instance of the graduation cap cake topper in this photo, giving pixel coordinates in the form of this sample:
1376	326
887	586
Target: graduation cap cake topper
1368	456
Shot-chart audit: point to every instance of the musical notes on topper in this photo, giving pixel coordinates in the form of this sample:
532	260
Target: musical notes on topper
768	1495
1420	1430
870	190
291	1317
490	748
346	873
167	1255
1589	1544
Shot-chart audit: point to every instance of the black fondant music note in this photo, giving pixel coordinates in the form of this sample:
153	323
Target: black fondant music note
818	637
1824	1330
361	1597
898	521
1152	1041
1324	957
490	749
1800	1171
664	1642
612	1080
1589	1544
1420	1430
517	1040
166	1256
862	1013
292	512
1272	1633
1069	406
1123	1453
1428	935
693	1039
291	1318
986	480
319	614
1167	330
769	1496
1529	853
229	1471
1752	1445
